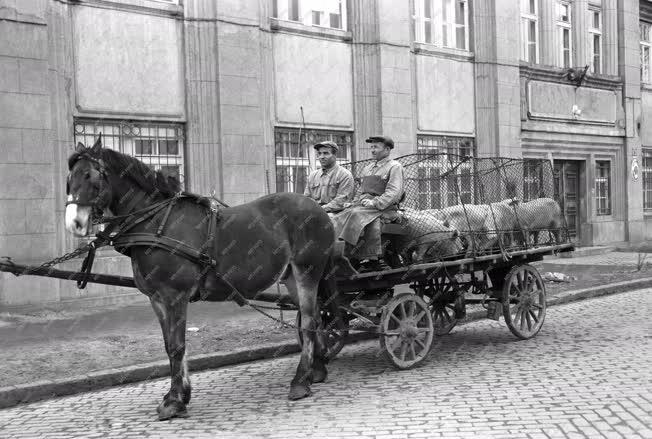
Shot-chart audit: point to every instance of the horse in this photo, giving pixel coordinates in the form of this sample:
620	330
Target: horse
282	236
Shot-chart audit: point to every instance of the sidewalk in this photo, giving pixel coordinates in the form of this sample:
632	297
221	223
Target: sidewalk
39	350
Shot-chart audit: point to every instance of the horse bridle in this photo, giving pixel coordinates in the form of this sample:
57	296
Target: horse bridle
96	211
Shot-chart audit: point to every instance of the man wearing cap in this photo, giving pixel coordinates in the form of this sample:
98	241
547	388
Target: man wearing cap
380	191
331	186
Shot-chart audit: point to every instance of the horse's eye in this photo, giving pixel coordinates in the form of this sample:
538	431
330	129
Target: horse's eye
87	176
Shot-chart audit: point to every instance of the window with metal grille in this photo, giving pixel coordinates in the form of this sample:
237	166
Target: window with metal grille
647	180
158	145
530	31
435	192
646	46
443	23
295	155
532	179
603	187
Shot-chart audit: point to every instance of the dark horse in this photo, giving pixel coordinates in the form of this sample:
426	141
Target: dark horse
255	244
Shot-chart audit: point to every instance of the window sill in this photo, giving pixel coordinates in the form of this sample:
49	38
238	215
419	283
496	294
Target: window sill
541	72
157	6
648	87
294	27
444	52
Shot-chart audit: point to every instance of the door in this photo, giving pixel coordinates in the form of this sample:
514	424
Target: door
566	184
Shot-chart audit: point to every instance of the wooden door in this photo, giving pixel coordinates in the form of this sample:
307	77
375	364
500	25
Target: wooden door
566	183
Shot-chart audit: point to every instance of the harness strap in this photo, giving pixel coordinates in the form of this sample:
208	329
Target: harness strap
166	216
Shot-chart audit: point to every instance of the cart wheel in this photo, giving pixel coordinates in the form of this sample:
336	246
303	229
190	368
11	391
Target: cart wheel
335	340
406	330
524	301
443	317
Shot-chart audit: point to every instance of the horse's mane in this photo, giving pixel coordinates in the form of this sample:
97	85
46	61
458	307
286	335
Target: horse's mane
126	166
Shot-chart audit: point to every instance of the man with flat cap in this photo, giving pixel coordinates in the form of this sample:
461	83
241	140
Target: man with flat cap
331	186
380	191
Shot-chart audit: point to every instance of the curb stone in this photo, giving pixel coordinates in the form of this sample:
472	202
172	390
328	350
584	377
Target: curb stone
25	393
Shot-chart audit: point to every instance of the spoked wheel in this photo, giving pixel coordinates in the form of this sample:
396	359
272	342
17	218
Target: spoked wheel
442	304
335	338
406	330
524	301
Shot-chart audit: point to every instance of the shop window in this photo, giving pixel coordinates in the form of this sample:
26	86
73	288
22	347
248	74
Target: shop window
435	192
323	13
295	156
530	31
603	187
158	145
443	23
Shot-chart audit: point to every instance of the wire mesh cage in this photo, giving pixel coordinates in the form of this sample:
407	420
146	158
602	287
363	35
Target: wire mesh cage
460	206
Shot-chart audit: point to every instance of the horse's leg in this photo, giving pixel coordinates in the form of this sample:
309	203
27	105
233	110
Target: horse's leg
171	312
319	372
307	288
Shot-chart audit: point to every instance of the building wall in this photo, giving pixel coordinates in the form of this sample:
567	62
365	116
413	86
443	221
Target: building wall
232	75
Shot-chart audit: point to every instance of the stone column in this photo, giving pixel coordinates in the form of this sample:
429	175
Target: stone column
366	72
629	66
547	33
203	147
580	33
610	36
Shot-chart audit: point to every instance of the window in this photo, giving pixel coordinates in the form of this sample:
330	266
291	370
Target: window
647	180
158	145
603	187
295	157
645	51
443	23
594	45
564	35
435	192
324	13
533	179
529	31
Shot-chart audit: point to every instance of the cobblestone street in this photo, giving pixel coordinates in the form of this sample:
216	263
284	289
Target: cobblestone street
587	374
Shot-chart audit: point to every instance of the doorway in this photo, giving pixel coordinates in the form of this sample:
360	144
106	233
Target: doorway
567	191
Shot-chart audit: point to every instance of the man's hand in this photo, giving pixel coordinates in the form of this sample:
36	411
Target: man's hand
367	203
347	205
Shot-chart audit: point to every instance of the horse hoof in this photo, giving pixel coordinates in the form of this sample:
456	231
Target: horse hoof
319	375
299	391
171	409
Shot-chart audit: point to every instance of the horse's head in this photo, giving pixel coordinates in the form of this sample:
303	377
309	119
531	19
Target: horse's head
88	188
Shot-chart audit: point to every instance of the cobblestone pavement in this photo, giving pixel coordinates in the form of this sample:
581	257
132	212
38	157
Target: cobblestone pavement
587	374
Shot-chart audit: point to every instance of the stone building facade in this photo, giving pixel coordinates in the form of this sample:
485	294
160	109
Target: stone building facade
229	94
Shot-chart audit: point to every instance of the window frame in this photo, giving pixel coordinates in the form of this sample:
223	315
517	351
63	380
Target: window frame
592	33
602	165
441	30
432	144
646	45
646	175
306	157
563	26
528	17
305	14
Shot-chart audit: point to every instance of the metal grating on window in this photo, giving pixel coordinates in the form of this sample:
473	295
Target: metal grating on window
647	180
159	145
434	192
295	157
602	187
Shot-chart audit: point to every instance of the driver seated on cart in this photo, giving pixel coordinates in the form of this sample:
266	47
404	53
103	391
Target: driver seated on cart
380	191
331	186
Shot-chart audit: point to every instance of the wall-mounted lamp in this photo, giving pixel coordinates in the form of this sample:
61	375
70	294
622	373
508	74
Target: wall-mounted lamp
576	112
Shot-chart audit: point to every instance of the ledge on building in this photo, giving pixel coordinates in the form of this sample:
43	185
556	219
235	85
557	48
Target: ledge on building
159	7
443	52
277	25
555	74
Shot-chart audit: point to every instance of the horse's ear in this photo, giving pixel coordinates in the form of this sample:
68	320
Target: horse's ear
98	144
80	147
